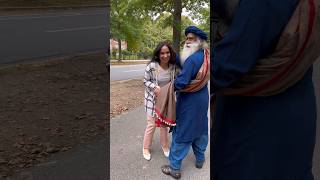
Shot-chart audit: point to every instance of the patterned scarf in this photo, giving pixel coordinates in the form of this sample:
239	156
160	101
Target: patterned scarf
165	107
297	49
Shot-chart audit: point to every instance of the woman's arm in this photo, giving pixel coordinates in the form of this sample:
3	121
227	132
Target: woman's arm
148	77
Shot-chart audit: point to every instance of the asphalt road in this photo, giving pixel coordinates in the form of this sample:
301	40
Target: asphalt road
51	33
124	72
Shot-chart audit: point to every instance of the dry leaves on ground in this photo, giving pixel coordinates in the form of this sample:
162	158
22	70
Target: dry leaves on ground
125	96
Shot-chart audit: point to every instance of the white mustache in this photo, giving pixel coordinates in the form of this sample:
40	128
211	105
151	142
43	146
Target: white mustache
188	49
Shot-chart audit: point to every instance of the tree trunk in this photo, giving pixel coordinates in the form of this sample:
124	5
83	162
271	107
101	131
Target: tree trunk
177	25
119	47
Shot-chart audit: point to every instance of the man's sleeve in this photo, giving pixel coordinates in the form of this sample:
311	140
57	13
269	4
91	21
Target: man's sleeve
253	34
185	76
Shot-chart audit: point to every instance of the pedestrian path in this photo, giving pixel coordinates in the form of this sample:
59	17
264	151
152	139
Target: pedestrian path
126	161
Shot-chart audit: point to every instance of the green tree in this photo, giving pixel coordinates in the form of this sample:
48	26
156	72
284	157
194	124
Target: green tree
166	19
159	29
125	23
156	7
203	18
154	31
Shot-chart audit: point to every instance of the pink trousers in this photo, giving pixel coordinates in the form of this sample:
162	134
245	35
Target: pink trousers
148	134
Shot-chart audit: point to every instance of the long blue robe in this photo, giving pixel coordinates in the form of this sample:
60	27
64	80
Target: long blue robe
192	108
260	138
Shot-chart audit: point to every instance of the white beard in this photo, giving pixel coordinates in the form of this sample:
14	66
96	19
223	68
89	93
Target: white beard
189	49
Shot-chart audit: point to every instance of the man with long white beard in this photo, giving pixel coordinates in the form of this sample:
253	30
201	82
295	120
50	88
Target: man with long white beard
192	103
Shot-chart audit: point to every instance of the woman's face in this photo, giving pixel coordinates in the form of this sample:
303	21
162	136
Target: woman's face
164	54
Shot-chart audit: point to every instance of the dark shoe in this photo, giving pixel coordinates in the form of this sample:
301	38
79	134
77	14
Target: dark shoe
166	169
199	164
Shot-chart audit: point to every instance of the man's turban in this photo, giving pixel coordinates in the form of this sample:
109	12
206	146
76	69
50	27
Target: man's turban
196	31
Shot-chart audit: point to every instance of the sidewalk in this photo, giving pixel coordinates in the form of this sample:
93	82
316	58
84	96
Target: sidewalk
126	161
85	162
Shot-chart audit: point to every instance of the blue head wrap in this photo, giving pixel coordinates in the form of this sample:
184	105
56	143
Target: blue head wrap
196	31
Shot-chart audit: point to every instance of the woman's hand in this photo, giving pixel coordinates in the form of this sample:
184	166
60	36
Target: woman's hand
157	90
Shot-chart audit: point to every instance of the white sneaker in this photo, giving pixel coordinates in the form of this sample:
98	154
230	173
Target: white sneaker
166	153
146	155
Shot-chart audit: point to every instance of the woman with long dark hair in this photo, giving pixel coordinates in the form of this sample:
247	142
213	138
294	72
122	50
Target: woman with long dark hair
159	72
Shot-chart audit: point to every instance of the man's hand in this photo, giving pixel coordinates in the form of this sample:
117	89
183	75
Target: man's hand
157	90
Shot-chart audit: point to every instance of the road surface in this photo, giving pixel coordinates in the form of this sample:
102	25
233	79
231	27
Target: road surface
51	33
125	72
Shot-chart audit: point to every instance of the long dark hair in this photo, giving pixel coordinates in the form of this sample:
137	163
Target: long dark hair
156	53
